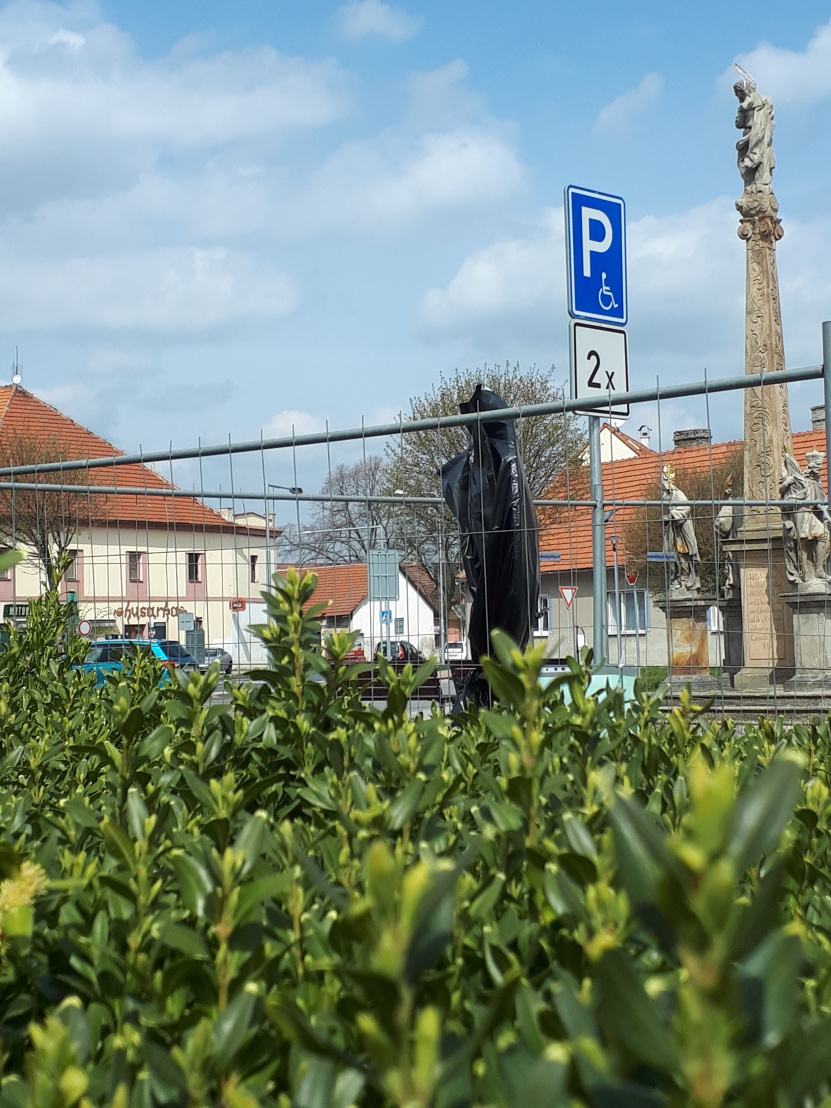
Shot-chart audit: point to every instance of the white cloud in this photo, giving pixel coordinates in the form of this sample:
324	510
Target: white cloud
388	181
360	18
686	287
82	113
686	302
293	421
791	76
169	290
511	279
622	112
441	98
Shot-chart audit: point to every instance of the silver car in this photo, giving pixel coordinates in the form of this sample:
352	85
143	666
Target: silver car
217	654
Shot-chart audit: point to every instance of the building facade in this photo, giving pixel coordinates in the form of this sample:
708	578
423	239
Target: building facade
140	564
630	468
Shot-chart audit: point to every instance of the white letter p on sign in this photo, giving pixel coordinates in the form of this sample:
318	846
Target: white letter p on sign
590	245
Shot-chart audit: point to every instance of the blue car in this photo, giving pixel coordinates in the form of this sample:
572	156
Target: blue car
107	655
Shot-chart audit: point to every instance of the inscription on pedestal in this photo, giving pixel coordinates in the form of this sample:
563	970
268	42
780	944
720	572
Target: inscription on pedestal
768	635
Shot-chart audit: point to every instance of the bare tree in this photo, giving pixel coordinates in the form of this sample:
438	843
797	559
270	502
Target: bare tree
548	446
342	531
643	529
427	534
47	522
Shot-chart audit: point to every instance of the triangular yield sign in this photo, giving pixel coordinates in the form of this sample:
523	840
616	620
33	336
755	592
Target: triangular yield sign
568	593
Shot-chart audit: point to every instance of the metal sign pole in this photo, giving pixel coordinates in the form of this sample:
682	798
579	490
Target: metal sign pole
574	631
826	394
619	613
598	544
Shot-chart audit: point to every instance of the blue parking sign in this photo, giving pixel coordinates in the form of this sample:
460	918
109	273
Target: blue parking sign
596	251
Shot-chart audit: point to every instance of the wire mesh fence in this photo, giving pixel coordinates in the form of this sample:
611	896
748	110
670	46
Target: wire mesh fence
178	545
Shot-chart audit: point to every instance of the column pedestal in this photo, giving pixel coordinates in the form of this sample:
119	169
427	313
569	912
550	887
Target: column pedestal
811	615
689	651
767	623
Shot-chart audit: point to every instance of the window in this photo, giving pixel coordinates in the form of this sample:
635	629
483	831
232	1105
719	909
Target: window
399	626
634	608
544	614
135	566
5	574
253	569
72	565
194	568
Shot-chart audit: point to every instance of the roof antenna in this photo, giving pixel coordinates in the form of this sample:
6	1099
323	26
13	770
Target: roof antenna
16	378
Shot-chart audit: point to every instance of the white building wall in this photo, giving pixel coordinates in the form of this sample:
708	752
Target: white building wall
417	619
105	593
648	648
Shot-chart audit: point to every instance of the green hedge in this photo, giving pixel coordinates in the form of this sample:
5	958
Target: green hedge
296	899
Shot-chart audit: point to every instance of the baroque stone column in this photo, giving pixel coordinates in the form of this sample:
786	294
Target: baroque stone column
767	422
766	621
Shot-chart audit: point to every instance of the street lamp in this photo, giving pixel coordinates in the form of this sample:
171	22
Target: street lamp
295	491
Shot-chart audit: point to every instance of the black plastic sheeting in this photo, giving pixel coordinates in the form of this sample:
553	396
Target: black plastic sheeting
486	490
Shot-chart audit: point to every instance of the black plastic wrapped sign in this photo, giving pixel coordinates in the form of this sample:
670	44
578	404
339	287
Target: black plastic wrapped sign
486	490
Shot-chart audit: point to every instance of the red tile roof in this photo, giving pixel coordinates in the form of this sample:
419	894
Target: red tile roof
343	588
570	534
25	417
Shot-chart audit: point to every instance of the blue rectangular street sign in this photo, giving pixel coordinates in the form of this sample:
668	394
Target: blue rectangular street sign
659	556
596	252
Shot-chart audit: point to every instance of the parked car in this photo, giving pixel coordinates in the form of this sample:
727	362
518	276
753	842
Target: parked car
176	655
107	655
454	651
217	654
399	650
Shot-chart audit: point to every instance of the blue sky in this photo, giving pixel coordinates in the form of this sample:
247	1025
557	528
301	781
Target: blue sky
221	218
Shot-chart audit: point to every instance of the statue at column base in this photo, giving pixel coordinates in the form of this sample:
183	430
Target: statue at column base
679	539
817	586
805	527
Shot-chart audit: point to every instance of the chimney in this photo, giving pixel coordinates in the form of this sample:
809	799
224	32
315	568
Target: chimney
818	417
644	432
696	436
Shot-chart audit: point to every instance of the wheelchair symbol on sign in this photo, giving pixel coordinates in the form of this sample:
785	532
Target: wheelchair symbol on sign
605	297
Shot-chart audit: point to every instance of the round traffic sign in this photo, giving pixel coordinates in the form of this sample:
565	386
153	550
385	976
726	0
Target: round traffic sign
85	628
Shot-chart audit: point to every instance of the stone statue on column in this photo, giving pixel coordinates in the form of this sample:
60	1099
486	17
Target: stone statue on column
805	525
679	537
814	459
755	148
727	525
